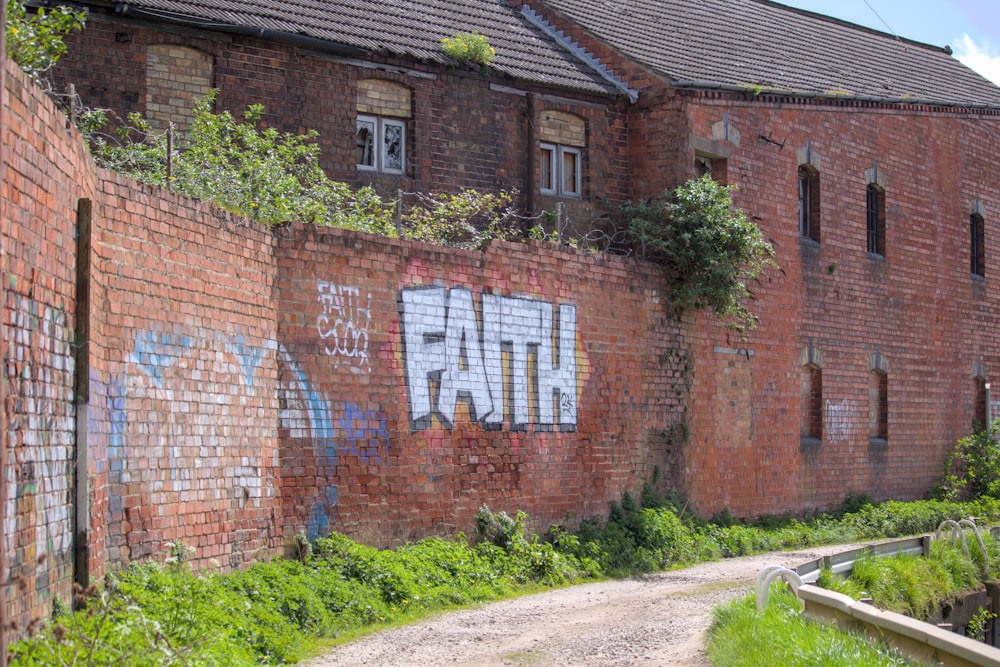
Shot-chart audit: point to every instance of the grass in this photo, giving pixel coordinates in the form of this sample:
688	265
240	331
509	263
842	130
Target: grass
913	585
740	636
163	614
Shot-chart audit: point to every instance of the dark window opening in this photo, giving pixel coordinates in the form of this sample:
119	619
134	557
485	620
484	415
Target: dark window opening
878	409
876	220
979	407
808	203
977	245
714	167
811	424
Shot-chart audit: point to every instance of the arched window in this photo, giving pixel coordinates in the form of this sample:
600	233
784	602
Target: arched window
809	222
811	411
562	139
875	208
380	134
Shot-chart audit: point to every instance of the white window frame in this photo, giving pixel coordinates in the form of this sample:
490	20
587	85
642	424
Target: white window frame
577	190
548	153
556	154
379	149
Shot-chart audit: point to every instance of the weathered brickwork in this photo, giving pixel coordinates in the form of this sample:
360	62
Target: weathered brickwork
183	367
419	383
383	98
176	77
246	385
40	191
918	312
562	128
462	131
241	386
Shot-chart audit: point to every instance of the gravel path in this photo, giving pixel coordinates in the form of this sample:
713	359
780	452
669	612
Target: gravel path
658	619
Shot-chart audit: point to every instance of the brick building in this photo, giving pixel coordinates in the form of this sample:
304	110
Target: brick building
865	158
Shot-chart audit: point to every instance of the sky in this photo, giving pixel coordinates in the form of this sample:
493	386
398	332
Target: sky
970	27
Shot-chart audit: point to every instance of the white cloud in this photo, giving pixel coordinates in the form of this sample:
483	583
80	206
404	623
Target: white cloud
981	57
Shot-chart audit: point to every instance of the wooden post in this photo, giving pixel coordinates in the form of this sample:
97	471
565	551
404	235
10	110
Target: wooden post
399	213
170	154
81	396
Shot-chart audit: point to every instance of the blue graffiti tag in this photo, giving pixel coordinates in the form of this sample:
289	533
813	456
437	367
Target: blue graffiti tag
155	351
249	358
364	433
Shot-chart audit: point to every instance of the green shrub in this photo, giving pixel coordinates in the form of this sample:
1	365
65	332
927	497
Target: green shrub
972	470
35	41
711	252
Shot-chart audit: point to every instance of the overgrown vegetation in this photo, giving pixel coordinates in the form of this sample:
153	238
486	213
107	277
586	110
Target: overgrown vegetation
35	40
912	585
740	636
712	253
275	177
972	470
165	614
470	47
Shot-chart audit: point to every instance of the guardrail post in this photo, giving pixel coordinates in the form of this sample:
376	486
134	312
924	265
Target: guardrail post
993	595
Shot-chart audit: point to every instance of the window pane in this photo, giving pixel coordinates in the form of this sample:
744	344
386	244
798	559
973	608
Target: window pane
571	173
977	227
547	159
392	156
364	141
803	204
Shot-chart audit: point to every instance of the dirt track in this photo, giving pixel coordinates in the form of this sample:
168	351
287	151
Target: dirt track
659	619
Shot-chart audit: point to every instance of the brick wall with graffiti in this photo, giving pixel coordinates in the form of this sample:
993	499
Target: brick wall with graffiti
182	379
45	176
174	373
418	383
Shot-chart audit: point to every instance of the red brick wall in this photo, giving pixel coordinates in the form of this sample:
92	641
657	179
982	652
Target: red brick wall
464	131
47	172
919	307
247	385
182	377
360	454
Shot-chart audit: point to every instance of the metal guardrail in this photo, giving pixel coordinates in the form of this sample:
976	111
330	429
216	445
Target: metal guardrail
843	562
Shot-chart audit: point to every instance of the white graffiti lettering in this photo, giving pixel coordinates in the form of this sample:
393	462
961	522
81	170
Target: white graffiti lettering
841	420
343	324
521	367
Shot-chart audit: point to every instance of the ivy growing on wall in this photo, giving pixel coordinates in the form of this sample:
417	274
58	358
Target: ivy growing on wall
711	252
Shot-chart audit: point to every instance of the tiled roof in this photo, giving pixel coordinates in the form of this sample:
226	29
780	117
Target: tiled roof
751	43
411	28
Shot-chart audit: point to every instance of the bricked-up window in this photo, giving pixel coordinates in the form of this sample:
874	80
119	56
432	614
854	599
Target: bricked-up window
977	244
979	404
562	138
808	202
875	208
176	76
878	406
381	144
811	425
